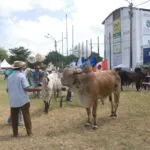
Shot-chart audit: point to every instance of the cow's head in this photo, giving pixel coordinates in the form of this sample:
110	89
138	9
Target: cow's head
45	78
69	76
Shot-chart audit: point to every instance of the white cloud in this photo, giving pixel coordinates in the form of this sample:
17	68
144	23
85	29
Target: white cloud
52	5
9	6
31	33
86	18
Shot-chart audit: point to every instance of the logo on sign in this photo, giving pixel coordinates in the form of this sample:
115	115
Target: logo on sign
148	23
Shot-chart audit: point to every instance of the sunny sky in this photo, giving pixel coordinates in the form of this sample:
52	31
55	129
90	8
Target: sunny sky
26	22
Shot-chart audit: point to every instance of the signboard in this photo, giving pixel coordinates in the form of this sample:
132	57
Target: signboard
117	36
146	56
117	60
117	42
146	24
116	28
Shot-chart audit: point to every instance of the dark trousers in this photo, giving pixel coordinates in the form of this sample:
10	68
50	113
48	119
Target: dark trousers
68	98
26	117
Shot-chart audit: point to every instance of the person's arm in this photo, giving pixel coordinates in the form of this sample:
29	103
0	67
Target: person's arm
25	83
32	89
26	86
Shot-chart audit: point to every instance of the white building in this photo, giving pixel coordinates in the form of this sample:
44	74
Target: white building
117	37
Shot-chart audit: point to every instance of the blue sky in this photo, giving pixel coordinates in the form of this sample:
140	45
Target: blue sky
25	22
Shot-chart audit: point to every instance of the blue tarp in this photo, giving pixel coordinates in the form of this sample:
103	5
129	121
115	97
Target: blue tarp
83	61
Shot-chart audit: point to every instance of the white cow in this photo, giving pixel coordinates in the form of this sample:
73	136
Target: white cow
51	88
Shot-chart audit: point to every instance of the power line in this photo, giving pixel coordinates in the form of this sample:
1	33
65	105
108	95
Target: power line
142	3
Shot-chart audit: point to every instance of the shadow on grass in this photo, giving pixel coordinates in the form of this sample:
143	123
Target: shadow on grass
79	127
38	112
10	137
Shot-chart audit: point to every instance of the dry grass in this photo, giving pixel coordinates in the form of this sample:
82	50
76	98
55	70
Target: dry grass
63	128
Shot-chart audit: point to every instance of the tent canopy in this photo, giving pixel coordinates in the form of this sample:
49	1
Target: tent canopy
4	64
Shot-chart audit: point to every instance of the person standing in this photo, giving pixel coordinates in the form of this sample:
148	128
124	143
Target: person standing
17	87
9	120
37	77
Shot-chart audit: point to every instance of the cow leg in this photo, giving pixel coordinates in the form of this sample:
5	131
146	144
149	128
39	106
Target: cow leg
137	86
94	113
61	101
49	99
116	100
112	106
88	110
46	107
55	95
58	92
121	87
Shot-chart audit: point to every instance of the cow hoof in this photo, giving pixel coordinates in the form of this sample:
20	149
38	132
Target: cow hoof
113	115
94	127
46	112
87	124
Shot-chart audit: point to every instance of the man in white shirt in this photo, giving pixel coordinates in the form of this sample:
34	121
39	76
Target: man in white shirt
17	87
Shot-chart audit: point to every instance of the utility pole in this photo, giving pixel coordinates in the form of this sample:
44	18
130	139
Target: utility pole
131	15
66	35
55	45
110	50
79	50
91	45
82	49
72	37
86	48
62	43
98	45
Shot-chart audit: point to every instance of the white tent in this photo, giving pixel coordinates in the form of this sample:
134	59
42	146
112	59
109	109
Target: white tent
4	64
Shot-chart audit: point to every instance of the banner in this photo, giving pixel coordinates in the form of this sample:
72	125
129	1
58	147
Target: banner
117	28
117	58
146	24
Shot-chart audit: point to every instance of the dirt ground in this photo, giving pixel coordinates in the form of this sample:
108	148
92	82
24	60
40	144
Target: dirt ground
63	128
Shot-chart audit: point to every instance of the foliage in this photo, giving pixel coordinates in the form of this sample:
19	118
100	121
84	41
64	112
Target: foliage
58	59
3	54
19	53
98	58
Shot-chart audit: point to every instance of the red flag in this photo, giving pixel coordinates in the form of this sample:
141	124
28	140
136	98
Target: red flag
104	64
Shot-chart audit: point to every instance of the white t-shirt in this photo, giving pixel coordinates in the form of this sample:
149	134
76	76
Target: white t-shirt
16	83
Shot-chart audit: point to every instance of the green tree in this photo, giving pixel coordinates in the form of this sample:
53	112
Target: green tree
19	53
3	54
58	59
98	58
53	57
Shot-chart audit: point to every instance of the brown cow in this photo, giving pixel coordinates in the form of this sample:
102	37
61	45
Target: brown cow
89	87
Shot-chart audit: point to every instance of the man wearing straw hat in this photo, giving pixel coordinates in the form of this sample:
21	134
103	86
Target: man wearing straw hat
17	87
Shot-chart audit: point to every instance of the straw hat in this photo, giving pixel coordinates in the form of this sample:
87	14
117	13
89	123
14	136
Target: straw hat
19	64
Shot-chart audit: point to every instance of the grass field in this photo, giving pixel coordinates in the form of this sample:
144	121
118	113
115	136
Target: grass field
63	128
